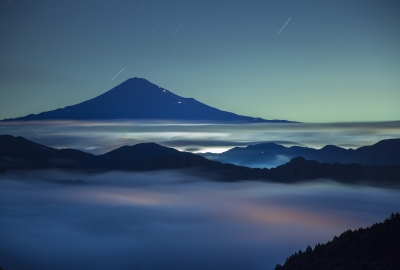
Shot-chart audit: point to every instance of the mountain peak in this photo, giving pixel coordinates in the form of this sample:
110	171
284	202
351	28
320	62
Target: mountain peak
139	99
266	146
139	88
140	148
137	81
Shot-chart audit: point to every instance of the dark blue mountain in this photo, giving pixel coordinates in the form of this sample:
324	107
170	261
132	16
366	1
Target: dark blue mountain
20	153
17	153
258	154
140	99
267	155
385	152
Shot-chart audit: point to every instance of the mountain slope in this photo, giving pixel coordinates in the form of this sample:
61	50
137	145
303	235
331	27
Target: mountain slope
385	152
300	169
267	155
376	247
138	98
20	153
151	156
262	155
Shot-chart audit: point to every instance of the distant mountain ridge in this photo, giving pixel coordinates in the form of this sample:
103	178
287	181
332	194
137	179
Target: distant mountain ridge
17	153
385	152
138	98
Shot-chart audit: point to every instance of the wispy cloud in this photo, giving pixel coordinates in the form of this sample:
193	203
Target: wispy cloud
101	136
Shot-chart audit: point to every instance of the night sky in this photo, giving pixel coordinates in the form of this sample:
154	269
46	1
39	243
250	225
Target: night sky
332	64
309	61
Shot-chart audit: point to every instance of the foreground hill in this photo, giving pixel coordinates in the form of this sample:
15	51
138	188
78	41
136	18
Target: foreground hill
17	153
138	98
373	248
385	152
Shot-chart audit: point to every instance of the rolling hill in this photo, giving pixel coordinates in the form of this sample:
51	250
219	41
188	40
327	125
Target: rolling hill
17	153
267	155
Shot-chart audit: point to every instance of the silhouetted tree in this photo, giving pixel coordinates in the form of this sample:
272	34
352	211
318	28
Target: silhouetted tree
376	247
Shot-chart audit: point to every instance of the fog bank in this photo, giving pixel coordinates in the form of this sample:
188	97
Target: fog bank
170	220
99	137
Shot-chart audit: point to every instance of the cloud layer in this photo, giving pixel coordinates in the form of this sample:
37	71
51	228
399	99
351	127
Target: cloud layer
100	137
170	220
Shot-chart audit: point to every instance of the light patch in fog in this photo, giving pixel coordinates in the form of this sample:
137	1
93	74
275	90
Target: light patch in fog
99	137
171	220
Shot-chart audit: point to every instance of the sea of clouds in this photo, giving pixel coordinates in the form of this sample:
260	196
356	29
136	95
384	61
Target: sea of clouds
99	137
173	220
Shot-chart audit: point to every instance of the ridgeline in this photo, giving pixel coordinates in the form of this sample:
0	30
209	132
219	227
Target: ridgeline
373	248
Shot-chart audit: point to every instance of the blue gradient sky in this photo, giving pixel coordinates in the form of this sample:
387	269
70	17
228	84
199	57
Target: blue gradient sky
334	60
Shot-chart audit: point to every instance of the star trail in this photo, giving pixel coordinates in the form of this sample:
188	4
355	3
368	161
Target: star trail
308	61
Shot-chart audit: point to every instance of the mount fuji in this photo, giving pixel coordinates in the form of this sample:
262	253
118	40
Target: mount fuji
139	99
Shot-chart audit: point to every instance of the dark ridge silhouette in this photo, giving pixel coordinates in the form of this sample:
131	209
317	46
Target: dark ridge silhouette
20	153
138	98
300	169
385	152
373	248
151	156
272	154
